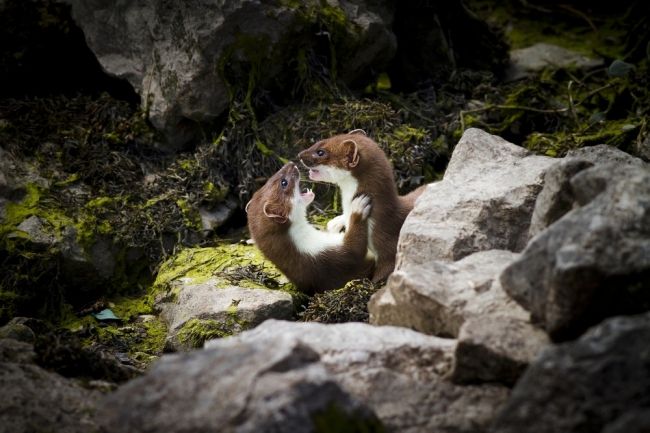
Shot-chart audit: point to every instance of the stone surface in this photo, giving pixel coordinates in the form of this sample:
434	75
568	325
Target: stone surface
215	218
276	385
396	371
595	261
594	384
179	56
556	198
438	297
234	308
485	201
604	154
34	399
496	349
526	61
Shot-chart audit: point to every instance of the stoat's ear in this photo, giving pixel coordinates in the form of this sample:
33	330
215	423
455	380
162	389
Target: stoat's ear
248	204
275	214
352	152
358	131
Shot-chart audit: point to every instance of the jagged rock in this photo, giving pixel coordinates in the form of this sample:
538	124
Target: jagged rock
595	261
526	61
34	399
276	385
211	307
604	154
438	297
484	202
496	349
556	198
396	371
179	57
39	233
590	385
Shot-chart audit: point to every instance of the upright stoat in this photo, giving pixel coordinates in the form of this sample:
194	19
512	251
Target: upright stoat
358	166
312	259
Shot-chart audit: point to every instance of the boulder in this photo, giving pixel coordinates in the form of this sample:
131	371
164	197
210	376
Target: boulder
276	385
438	297
204	293
183	59
211	307
34	399
596	384
525	62
398	372
595	261
484	201
557	196
496	349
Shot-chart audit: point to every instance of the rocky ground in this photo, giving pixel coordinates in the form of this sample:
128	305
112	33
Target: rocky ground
520	297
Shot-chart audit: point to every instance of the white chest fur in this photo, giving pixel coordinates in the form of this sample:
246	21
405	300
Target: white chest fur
307	238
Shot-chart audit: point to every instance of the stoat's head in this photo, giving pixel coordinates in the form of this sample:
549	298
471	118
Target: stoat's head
280	199
333	159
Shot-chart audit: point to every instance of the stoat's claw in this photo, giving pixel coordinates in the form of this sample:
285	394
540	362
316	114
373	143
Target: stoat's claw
361	205
336	224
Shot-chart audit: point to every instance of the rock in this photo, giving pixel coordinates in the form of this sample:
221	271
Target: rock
526	61
17	331
496	349
34	399
181	57
214	218
590	385
595	261
38	232
604	154
484	202
556	198
212	308
205	293
396	371
276	385
438	297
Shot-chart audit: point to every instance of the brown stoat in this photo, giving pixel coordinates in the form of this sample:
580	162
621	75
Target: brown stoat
314	260
357	165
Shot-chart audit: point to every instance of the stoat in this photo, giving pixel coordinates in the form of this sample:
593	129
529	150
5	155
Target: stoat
314	260
357	165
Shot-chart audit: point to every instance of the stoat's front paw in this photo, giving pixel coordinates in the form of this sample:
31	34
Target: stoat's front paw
361	205
336	224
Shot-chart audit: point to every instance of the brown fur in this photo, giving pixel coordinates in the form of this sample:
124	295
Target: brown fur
269	222
360	155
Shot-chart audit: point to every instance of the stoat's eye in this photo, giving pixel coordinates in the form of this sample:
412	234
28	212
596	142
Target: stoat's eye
320	152
284	183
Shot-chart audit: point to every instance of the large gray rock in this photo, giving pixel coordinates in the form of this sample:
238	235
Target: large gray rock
595	261
276	385
199	309
598	383
527	61
438	297
496	349
484	202
34	399
180	56
557	197
396	371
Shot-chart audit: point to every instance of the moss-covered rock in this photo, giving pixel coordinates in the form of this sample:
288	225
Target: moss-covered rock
206	293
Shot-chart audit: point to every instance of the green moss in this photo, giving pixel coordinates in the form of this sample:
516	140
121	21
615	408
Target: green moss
334	419
195	332
228	263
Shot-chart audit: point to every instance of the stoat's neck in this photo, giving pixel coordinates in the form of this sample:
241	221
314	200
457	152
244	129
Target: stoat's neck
308	239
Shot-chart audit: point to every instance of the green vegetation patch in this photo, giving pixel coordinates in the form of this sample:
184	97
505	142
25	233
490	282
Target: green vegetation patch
349	304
